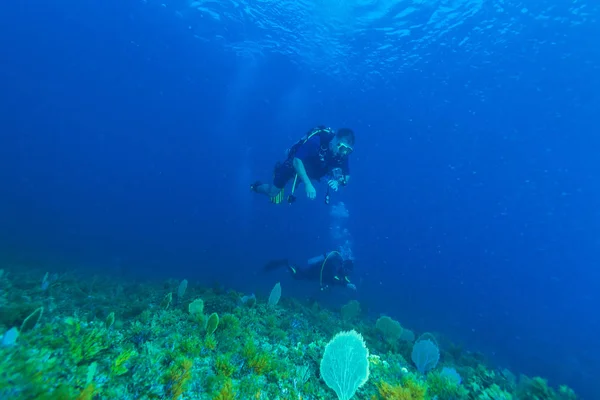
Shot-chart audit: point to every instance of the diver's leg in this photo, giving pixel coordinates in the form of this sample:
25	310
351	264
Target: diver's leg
266	189
282	173
297	272
304	272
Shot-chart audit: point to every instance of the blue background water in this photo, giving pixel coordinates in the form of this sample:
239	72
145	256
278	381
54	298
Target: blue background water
130	131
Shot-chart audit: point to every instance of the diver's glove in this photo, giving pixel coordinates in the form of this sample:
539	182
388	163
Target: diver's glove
351	286
333	184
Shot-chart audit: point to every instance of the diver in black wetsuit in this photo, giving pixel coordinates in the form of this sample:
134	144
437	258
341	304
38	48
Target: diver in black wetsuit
321	153
329	269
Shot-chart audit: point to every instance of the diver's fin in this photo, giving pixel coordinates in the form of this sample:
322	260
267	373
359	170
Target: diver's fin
278	198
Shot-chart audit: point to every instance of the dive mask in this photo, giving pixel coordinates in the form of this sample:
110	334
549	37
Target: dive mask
344	148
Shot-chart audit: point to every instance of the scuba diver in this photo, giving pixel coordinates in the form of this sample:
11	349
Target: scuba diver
329	269
320	153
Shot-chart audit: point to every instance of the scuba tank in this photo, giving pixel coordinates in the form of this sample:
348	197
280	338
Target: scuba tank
325	133
318	260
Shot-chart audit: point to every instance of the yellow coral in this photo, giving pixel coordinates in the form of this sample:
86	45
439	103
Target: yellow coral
226	392
411	390
224	366
119	368
260	363
416	389
179	375
210	342
87	393
389	392
374	359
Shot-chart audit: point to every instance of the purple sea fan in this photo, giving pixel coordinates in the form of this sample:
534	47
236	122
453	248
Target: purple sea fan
425	355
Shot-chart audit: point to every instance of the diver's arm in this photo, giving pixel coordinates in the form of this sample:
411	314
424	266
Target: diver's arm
301	171
344	282
346	179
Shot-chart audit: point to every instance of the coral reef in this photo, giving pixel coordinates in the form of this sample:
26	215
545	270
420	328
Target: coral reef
99	337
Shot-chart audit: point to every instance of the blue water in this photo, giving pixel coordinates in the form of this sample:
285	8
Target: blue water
130	131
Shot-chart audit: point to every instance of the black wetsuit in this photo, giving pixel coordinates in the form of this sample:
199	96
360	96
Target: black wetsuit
317	161
332	273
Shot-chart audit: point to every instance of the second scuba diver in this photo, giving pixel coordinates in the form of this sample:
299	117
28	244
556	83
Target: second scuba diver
329	269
